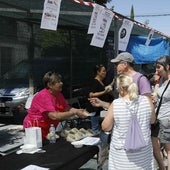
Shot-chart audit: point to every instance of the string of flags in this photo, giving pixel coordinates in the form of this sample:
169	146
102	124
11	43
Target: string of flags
84	3
100	21
116	15
99	25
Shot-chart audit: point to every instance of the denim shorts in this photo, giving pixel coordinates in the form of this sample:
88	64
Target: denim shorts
165	130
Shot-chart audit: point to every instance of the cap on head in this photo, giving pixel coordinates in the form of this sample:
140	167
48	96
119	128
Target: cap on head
124	56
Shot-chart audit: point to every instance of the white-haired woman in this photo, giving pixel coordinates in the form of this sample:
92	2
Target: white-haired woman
117	119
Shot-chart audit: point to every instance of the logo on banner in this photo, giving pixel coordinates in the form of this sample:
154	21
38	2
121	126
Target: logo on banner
124	34
149	37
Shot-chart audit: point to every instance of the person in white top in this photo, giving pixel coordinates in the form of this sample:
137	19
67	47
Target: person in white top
117	119
163	70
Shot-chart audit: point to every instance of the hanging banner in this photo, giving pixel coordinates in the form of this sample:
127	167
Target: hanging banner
149	37
97	10
50	14
124	34
102	28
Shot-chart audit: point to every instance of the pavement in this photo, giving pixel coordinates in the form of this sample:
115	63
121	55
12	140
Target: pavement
92	165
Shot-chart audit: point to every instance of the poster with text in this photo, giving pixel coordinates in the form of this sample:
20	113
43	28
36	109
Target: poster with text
97	10
102	28
50	14
124	34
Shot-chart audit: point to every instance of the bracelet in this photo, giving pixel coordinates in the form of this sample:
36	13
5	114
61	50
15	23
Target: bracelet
105	108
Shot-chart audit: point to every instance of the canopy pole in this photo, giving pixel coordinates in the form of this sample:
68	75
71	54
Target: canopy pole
116	50
116	38
31	57
71	64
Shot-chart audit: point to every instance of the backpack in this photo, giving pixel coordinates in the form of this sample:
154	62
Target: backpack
134	140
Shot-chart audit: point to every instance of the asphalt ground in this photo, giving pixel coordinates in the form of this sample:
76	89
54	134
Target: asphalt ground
92	165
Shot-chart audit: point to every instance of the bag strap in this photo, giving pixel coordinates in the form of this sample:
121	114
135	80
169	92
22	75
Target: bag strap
135	108
138	82
159	105
33	123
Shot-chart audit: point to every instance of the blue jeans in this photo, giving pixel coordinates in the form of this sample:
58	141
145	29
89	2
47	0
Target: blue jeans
95	127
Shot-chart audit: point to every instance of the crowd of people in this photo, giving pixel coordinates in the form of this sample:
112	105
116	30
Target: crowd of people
160	138
50	106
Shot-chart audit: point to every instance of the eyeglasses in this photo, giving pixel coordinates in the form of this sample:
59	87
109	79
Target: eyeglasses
120	62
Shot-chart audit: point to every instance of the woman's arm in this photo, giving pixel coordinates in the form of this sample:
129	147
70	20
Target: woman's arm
82	113
98	94
108	121
96	102
153	115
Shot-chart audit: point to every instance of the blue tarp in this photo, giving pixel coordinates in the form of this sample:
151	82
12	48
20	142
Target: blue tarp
147	54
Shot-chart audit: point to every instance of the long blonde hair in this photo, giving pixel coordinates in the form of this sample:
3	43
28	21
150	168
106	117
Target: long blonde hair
126	83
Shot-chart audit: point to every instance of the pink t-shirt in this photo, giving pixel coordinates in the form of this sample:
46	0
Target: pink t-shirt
42	103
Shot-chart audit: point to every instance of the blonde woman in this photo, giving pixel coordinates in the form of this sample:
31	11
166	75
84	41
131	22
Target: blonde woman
117	119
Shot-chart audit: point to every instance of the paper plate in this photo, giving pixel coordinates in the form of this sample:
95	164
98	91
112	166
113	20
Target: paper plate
77	144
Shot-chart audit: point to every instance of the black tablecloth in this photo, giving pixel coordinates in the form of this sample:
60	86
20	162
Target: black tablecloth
59	156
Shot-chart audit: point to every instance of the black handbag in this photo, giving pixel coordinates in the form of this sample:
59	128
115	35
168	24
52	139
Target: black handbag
155	129
155	126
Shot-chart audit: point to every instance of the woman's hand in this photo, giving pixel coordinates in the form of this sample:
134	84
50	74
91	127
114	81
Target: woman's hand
96	102
82	113
108	88
154	98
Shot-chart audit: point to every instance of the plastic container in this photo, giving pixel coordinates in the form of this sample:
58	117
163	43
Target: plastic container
52	136
77	144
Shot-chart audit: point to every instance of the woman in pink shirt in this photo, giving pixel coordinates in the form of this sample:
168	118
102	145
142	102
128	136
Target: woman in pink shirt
49	105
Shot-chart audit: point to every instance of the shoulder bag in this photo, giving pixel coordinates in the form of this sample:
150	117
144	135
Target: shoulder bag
134	140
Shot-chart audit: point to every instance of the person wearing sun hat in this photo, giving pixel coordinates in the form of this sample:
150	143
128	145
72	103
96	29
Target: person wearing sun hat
125	56
125	65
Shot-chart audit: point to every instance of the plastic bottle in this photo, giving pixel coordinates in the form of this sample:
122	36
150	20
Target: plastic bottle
52	137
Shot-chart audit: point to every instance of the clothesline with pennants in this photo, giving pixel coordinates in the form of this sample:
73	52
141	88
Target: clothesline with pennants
91	4
100	22
121	17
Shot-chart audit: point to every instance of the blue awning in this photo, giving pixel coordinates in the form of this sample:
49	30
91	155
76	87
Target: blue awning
147	54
